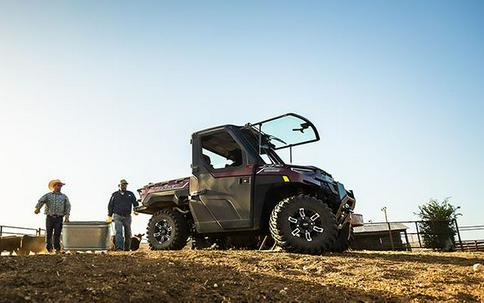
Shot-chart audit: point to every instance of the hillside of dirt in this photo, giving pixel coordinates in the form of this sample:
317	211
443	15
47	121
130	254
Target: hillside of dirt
242	276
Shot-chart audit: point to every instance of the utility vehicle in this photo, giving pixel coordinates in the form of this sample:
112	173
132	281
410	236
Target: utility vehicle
241	193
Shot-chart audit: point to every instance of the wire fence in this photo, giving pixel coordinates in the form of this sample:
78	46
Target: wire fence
410	235
395	235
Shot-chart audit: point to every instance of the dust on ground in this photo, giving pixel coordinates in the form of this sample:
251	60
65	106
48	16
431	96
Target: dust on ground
242	276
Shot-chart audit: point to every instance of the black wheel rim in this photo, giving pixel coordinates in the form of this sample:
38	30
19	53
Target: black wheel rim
306	224
163	231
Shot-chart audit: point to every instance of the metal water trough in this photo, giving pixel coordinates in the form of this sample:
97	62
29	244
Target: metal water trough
86	235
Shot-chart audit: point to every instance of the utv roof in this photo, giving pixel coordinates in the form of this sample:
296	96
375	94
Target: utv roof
220	127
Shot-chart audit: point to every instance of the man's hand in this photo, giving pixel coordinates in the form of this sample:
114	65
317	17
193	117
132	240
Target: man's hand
109	219
66	218
36	211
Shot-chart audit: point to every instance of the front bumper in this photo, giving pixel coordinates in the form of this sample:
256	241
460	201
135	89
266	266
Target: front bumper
347	204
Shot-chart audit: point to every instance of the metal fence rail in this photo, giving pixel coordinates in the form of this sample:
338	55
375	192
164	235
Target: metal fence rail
412	237
20	231
473	245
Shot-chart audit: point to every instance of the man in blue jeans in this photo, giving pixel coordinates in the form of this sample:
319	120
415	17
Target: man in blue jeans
119	211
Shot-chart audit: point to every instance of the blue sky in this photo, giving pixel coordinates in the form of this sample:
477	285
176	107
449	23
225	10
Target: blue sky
91	92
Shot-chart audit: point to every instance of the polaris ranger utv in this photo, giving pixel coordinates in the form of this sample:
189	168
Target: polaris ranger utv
241	193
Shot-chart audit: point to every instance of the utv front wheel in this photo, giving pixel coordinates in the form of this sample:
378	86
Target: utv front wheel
167	230
303	224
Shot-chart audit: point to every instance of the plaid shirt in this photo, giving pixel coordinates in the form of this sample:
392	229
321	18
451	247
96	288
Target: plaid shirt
56	204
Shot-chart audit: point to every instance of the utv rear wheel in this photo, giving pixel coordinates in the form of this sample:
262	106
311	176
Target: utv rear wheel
167	230
303	224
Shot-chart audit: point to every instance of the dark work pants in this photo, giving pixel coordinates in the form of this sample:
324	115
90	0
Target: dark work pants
53	224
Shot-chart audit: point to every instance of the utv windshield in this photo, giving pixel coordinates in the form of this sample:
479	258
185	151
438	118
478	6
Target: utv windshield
287	131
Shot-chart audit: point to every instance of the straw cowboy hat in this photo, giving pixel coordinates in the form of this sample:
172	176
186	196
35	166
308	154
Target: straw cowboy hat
52	183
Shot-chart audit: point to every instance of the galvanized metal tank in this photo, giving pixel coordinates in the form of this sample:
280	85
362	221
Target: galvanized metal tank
86	235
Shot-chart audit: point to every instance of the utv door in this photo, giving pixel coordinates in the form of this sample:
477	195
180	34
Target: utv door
221	186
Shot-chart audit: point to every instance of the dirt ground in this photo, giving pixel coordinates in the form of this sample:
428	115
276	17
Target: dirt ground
242	276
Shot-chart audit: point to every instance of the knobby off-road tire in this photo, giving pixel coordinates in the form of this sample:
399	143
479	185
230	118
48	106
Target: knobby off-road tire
345	236
167	230
303	224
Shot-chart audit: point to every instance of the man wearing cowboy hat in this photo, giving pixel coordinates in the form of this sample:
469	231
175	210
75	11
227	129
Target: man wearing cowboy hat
57	206
119	210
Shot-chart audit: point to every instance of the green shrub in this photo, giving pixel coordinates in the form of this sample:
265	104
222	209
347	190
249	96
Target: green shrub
437	226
